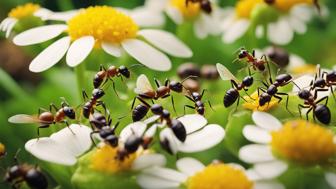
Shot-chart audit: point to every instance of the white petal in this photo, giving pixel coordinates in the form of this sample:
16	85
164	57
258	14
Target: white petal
256	134
236	30
189	166
153	182
204	139
166	42
200	29
148	160
50	56
270	170
151	119
266	121
10	28
151	131
147	55
136	128
147	18
169	174
268	185
112	49
331	179
3	24
253	175
298	25
77	142
295	61
175	15
79	50
302	12
302	82
193	122
280	32
39	34
167	135
42	13
255	153
259	31
62	16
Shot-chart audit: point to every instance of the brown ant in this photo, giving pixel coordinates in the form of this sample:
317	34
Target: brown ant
204	4
255	63
107	74
46	118
326	79
18	174
89	106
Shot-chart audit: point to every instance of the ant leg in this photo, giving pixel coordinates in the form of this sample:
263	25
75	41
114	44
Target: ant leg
300	106
144	102
51	106
188	106
203	91
85	96
210	105
166	82
287	100
188	97
16	155
114	88
248	95
172	101
91	137
324	98
237	104
38	130
67	124
133	103
310	109
165	96
318	90
157	83
234	84
332	92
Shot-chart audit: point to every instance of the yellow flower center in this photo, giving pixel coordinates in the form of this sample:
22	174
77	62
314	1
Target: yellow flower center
254	104
219	176
285	5
245	7
304	69
303	142
23	10
105	160
2	150
104	23
191	10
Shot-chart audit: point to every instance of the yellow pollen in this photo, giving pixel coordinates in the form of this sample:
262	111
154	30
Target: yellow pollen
190	11
23	10
104	160
304	142
219	176
286	5
254	104
245	7
104	23
2	150
304	69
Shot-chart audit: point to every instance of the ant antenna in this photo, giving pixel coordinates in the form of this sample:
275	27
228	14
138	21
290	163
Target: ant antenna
317	5
296	85
16	155
189	77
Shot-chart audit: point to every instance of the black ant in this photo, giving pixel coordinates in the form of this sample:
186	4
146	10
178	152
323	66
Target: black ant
324	80
107	74
94	101
320	111
45	118
18	174
196	98
204	4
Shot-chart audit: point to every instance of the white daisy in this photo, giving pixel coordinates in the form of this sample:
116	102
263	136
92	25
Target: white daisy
204	23
298	141
193	174
102	27
287	18
28	10
62	147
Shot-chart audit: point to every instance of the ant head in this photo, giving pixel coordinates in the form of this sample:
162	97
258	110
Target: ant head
157	109
69	112
124	71
304	94
196	96
176	86
242	53
112	140
132	143
264	98
248	81
98	93
165	114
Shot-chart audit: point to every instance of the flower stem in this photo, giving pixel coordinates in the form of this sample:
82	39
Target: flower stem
80	78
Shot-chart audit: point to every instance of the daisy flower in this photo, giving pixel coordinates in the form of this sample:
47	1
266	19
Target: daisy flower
62	147
192	174
277	145
28	10
204	22
102	27
284	18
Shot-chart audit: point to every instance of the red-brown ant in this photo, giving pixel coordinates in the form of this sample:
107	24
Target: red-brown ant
204	4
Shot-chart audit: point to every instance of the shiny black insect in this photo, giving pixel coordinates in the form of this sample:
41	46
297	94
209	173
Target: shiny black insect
252	60
271	89
326	79
89	106
196	98
320	111
204	4
18	174
105	75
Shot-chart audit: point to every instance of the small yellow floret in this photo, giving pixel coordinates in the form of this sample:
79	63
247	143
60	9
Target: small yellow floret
245	7
2	149
286	5
219	176
190	11
23	10
304	142
254	104
304	69
104	23
104	160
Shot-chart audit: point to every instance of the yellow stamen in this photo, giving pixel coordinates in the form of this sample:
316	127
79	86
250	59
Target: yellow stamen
219	176
286	5
105	160
23	10
104	24
190	11
254	104
2	149
304	69
304	142
245	7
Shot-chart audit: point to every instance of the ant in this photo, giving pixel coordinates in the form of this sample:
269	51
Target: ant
320	111
204	4
324	80
94	101
255	63
107	74
231	95
18	174
46	118
196	98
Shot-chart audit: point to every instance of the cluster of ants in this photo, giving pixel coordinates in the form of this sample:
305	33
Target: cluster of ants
101	123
